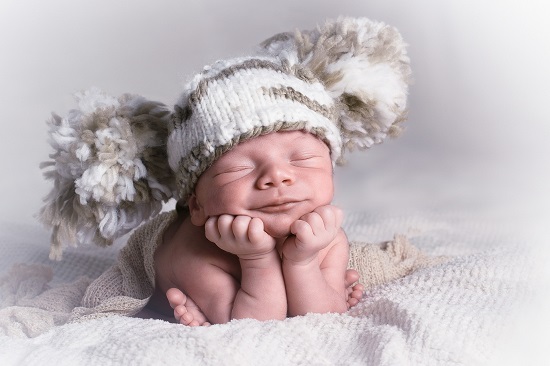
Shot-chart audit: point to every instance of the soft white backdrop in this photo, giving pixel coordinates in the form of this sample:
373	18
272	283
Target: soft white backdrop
476	139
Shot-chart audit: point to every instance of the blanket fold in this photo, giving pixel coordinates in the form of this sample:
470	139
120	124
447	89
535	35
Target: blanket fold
126	287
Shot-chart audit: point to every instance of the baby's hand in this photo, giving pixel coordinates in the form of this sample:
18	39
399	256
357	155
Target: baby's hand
240	235
312	232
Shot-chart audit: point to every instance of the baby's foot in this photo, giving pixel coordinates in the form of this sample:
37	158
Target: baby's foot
354	293
186	311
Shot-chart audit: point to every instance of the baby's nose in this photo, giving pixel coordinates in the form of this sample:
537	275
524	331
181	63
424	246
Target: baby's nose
275	176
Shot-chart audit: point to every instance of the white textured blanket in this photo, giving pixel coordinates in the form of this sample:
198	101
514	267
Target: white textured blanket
469	310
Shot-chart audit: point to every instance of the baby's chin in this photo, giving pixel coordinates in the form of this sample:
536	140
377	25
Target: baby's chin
278	233
278	225
278	228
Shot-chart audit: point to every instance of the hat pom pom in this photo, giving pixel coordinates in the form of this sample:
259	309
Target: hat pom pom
109	169
363	65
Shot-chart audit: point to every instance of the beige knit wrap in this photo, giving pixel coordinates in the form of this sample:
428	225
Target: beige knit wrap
381	263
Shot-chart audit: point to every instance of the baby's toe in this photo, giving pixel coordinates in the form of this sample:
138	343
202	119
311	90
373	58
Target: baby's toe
193	323
187	319
352	302
179	312
351	277
175	297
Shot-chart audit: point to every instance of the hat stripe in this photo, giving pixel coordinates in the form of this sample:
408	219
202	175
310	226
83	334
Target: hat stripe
226	73
292	94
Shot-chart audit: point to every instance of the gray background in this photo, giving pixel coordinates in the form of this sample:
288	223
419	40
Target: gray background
476	139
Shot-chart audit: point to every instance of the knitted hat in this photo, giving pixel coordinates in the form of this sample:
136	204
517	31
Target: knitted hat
236	100
345	82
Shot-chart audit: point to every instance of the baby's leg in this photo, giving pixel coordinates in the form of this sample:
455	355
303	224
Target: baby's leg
185	310
354	292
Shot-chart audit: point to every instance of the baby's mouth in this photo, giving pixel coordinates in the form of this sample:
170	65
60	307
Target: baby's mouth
278	206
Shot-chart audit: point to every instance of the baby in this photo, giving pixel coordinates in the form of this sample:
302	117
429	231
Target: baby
261	240
248	153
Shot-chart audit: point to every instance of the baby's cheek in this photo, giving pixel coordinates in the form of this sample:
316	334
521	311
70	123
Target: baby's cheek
323	199
323	188
223	203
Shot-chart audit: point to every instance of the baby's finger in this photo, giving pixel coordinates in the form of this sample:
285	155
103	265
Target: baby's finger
302	230
239	226
225	226
256	230
316	222
211	230
328	215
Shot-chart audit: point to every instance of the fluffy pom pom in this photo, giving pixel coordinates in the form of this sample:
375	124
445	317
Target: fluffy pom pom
364	66
110	170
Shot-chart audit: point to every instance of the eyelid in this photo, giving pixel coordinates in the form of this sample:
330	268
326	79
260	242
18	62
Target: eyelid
305	157
234	169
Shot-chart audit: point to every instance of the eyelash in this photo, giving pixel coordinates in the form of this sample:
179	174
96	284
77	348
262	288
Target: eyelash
233	170
305	161
304	157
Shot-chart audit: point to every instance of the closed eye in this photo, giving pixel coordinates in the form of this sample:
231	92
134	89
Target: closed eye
234	169
306	160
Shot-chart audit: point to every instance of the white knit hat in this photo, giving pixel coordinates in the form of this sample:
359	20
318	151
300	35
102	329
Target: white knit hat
239	99
345	82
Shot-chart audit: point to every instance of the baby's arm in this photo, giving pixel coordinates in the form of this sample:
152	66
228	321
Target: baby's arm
262	290
311	285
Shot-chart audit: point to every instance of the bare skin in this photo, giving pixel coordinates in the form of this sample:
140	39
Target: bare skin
186	312
262	239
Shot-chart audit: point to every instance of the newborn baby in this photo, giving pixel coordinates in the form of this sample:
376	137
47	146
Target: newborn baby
261	240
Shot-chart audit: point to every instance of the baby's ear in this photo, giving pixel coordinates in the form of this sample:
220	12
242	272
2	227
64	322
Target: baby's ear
196	212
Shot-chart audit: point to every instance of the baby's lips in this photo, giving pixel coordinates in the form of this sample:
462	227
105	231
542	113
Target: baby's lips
282	207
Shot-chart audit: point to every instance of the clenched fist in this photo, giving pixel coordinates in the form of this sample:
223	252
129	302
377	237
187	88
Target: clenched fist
240	235
312	232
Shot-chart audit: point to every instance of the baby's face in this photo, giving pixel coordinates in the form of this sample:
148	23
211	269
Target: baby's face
277	177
